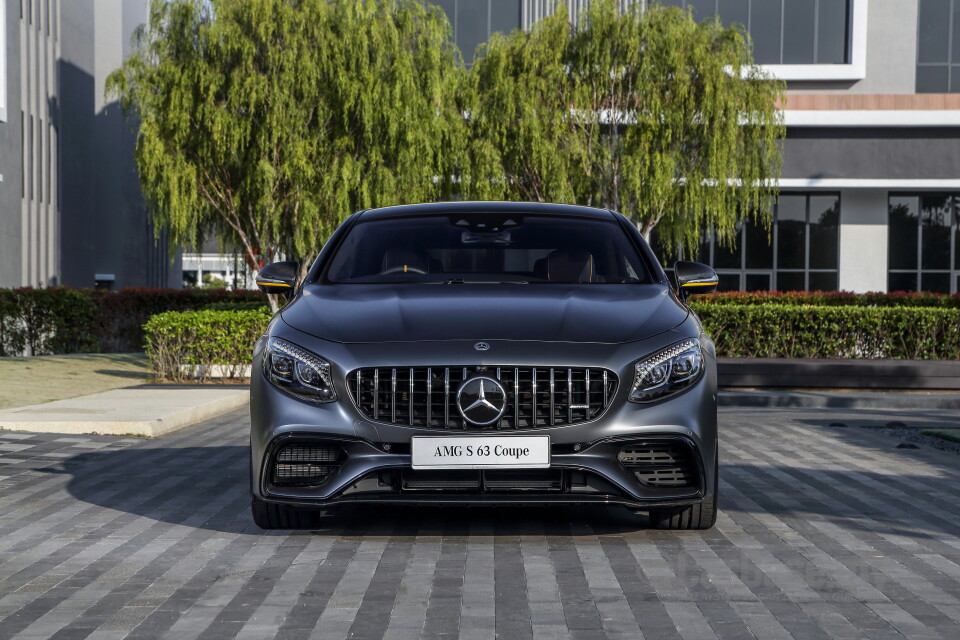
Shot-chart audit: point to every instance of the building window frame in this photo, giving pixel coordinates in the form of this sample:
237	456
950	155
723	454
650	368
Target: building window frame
452	9
951	65
854	69
743	273
919	271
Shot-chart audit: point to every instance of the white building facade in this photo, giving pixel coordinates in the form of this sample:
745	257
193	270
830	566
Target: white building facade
212	268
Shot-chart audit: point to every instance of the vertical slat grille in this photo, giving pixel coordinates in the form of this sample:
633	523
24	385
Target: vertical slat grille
516	397
536	396
393	397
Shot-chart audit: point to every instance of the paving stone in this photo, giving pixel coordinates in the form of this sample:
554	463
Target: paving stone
822	533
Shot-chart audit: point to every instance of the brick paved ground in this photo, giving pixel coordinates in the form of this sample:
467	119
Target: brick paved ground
823	533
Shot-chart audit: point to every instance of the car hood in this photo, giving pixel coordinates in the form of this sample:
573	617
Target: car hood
551	313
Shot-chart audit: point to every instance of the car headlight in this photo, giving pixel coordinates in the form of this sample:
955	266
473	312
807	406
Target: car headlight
667	371
297	371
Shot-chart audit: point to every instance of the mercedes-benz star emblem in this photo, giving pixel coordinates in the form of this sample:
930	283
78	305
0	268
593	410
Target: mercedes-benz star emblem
482	346
482	400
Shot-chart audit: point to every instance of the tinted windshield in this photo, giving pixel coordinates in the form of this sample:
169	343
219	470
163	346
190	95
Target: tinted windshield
487	248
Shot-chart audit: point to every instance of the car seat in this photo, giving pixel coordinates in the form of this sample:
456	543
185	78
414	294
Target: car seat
570	265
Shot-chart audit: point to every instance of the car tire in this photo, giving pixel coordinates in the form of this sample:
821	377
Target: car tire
268	515
695	517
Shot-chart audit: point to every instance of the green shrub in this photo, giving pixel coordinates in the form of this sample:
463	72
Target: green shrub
794	331
44	321
245	305
122	314
66	320
182	345
833	299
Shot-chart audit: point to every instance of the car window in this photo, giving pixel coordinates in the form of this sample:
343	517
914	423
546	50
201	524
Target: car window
487	248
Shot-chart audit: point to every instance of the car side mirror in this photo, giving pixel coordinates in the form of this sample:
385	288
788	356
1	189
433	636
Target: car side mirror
693	277
278	278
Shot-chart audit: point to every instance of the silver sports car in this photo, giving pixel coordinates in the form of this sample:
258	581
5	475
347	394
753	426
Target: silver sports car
485	353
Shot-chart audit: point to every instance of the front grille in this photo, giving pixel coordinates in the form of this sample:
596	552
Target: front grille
305	464
536	396
661	464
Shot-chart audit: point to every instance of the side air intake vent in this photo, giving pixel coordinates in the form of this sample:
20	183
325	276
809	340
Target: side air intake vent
305	463
661	464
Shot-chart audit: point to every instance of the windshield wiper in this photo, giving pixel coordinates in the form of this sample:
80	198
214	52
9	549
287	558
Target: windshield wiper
462	281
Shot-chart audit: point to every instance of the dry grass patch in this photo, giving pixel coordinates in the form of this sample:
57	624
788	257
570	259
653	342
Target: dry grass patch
26	381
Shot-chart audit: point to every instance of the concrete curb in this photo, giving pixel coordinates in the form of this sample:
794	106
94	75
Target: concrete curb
793	399
149	412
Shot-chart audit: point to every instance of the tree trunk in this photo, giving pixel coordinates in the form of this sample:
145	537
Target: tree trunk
646	230
305	263
274	301
255	260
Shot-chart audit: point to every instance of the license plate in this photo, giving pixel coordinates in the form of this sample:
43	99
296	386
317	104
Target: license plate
480	452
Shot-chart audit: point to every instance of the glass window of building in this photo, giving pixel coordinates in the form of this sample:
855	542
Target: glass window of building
799	253
938	46
924	242
784	31
473	21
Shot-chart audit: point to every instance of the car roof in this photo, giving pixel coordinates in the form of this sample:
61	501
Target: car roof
486	207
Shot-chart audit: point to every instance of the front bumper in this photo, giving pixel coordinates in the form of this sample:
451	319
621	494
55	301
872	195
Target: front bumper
590	476
375	466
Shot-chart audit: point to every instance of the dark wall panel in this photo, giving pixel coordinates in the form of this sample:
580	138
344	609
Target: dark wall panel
872	153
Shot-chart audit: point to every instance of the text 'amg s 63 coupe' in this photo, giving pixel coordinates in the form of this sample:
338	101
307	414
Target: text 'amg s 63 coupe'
485	353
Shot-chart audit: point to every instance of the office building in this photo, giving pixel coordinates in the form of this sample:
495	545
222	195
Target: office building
870	187
71	211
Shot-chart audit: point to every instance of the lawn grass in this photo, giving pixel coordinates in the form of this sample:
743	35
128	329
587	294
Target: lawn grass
951	435
26	381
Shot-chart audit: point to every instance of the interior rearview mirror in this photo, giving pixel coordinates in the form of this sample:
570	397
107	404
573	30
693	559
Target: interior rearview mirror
694	277
278	278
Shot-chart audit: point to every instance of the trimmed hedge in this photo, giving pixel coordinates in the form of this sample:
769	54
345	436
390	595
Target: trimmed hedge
793	331
183	345
833	299
47	321
66	320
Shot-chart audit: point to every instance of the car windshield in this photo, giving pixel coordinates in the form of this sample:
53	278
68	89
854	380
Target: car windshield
483	248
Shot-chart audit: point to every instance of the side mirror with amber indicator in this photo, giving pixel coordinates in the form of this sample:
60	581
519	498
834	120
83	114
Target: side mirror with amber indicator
694	277
278	278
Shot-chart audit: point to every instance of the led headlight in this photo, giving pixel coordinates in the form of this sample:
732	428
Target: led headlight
298	371
667	371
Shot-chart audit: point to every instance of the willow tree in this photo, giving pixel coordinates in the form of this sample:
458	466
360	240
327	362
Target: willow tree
516	101
647	112
267	122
